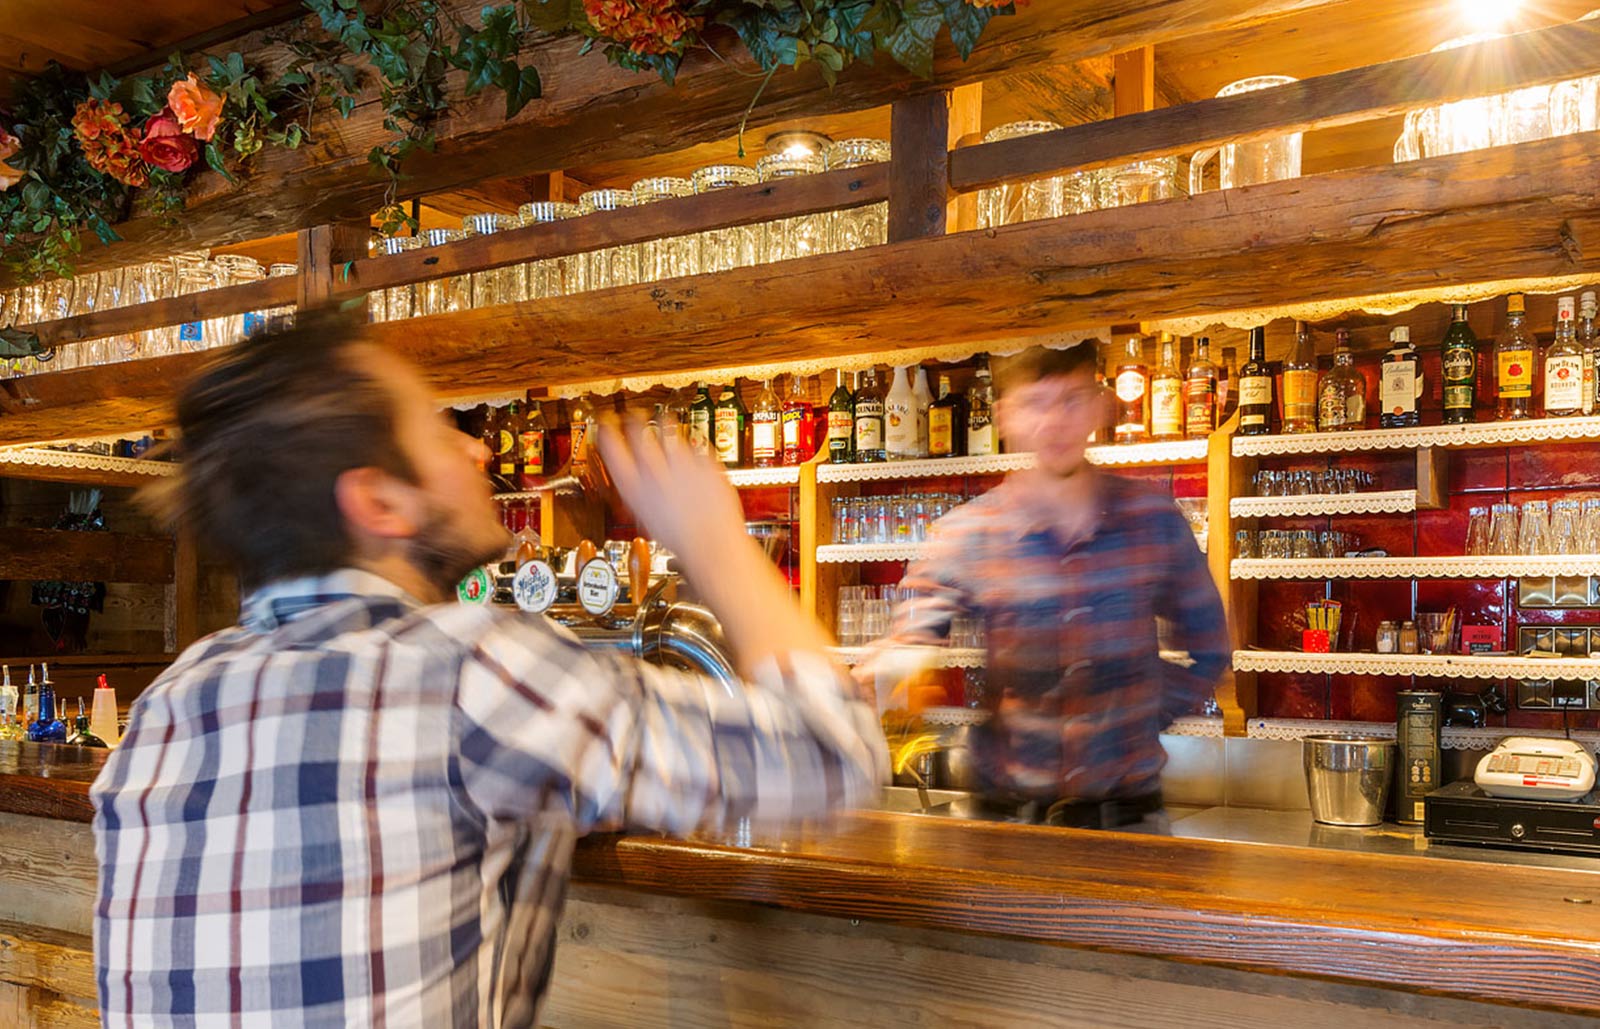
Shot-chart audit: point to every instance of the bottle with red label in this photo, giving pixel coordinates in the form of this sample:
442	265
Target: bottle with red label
766	428
534	445
1133	394
799	438
1563	365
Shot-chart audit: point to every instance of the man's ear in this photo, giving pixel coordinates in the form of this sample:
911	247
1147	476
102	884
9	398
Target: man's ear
375	503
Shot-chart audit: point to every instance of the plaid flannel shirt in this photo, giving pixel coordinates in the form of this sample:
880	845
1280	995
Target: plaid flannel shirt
1076	688
355	810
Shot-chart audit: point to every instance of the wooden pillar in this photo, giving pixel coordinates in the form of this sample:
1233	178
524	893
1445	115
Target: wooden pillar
919	172
966	128
186	589
324	251
1133	81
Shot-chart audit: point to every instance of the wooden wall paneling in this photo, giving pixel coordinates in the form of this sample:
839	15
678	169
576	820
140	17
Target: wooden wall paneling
95	556
186	590
919	190
1341	98
277	291
49	873
326	251
1133	81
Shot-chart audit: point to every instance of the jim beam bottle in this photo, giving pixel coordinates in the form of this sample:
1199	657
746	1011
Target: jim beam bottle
1133	394
1516	357
1401	385
1200	393
1459	361
1563	365
1255	388
1166	394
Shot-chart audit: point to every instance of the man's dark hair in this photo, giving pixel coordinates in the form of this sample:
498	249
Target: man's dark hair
264	433
1037	363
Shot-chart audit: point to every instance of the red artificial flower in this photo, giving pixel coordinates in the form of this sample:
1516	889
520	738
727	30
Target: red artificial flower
102	130
645	26
166	145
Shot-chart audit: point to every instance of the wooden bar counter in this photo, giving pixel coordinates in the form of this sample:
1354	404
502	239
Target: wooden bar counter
891	919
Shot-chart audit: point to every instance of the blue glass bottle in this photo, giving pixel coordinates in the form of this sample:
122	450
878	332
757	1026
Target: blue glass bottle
47	728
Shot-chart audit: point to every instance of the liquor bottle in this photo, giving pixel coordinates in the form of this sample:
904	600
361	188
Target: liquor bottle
900	416
47	728
8	692
1401	382
508	461
30	701
1227	384
9	729
1106	431
798	441
1459	363
1133	394
701	429
1166	394
867	417
1300	383
1516	359
493	421
1342	397
919	389
1589	340
947	422
1563	365
583	415
841	423
983	436
81	734
766	428
1255	388
535	447
1200	393
728	428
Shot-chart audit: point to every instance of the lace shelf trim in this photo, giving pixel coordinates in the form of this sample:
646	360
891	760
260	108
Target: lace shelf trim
846	553
1442	666
37	457
1387	502
1195	725
941	657
1451	738
1414	567
1183	451
1473	435
986	464
745	478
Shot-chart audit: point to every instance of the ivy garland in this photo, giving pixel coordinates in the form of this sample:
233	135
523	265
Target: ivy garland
79	153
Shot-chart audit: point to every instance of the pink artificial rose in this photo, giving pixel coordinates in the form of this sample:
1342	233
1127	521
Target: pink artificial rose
166	145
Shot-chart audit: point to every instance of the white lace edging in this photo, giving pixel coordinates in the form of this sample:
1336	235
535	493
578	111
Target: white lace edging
1443	666
1540	430
1451	737
1386	502
1449	567
36	457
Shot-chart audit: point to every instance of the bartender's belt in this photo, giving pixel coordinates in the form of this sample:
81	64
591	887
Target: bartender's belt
1078	814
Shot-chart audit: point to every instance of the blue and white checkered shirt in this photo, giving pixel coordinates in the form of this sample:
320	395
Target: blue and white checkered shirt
355	810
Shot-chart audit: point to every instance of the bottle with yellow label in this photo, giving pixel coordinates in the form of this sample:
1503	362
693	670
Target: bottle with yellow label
1166	394
947	423
1300	383
1516	359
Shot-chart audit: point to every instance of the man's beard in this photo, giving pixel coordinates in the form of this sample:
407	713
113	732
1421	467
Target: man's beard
441	556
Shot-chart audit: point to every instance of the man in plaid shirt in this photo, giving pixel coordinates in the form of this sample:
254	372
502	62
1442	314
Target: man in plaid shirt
357	807
1070	571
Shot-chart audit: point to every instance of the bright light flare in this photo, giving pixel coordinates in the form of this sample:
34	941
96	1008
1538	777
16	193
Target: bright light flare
1487	15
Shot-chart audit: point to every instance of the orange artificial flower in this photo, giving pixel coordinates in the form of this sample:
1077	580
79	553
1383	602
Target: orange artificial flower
9	145
198	109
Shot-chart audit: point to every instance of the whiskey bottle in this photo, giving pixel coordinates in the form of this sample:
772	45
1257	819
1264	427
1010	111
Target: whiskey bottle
1166	394
1458	360
8	692
1563	365
727	430
947	421
983	436
583	416
1589	340
1342	400
1200	393
841	423
533	447
1300	383
1133	394
766	428
701	421
1516	359
868	419
1255	388
1401	384
1227	384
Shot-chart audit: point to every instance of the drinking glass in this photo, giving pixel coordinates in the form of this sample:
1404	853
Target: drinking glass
849	624
397	303
1438	632
738	246
505	285
841	519
234	270
143	284
800	236
195	274
1590	526
111	292
1478	532
283	317
450	294
1503	529
1139	182
860	226
1080	191
902	515
1564	536
1244	544
552	276
674	256
1533	538
612	266
1014	202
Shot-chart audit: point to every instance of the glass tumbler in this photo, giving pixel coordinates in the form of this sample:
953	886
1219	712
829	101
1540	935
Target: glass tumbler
1139	182
1589	528
451	293
396	303
1478	532
552	276
1533	538
860	226
612	266
1564	537
505	285
1503	530
738	246
235	270
1014	202
193	275
674	256
800	236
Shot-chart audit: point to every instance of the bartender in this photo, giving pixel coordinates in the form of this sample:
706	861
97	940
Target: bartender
1070	571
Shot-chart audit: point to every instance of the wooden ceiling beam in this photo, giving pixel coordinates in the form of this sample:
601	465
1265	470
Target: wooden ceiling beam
593	112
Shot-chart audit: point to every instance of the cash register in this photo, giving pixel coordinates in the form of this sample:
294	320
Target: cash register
1529	792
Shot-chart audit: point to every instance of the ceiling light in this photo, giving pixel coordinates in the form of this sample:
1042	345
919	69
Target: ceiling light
1487	15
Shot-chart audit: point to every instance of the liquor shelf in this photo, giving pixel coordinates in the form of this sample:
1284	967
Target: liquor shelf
848	553
1129	455
1385	502
1490	567
1441	666
748	478
1470	435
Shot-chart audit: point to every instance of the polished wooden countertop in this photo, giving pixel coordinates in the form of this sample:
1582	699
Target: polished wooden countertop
1498	932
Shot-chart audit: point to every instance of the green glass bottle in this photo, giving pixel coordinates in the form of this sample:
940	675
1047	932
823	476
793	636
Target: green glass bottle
841	423
701	416
1459	354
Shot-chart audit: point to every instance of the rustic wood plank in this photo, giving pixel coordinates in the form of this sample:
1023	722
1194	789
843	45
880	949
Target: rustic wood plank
29	1008
919	191
1327	101
49	873
325	252
593	112
277	291
966	125
96	556
1133	81
34	956
742	205
186	579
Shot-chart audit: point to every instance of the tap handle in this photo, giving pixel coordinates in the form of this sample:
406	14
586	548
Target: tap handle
638	569
586	553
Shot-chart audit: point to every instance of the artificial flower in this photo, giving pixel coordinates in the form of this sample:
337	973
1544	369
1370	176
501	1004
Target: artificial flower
645	26
198	109
110	148
94	118
9	145
166	145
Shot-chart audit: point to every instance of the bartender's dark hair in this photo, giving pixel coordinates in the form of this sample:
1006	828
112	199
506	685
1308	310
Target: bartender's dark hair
263	433
1037	363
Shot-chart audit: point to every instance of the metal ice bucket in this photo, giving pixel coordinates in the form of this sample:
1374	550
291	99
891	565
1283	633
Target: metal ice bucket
1347	777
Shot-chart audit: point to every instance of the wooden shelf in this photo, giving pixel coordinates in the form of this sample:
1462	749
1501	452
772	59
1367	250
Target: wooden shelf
1451	437
931	468
1382	502
1148	455
45	465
